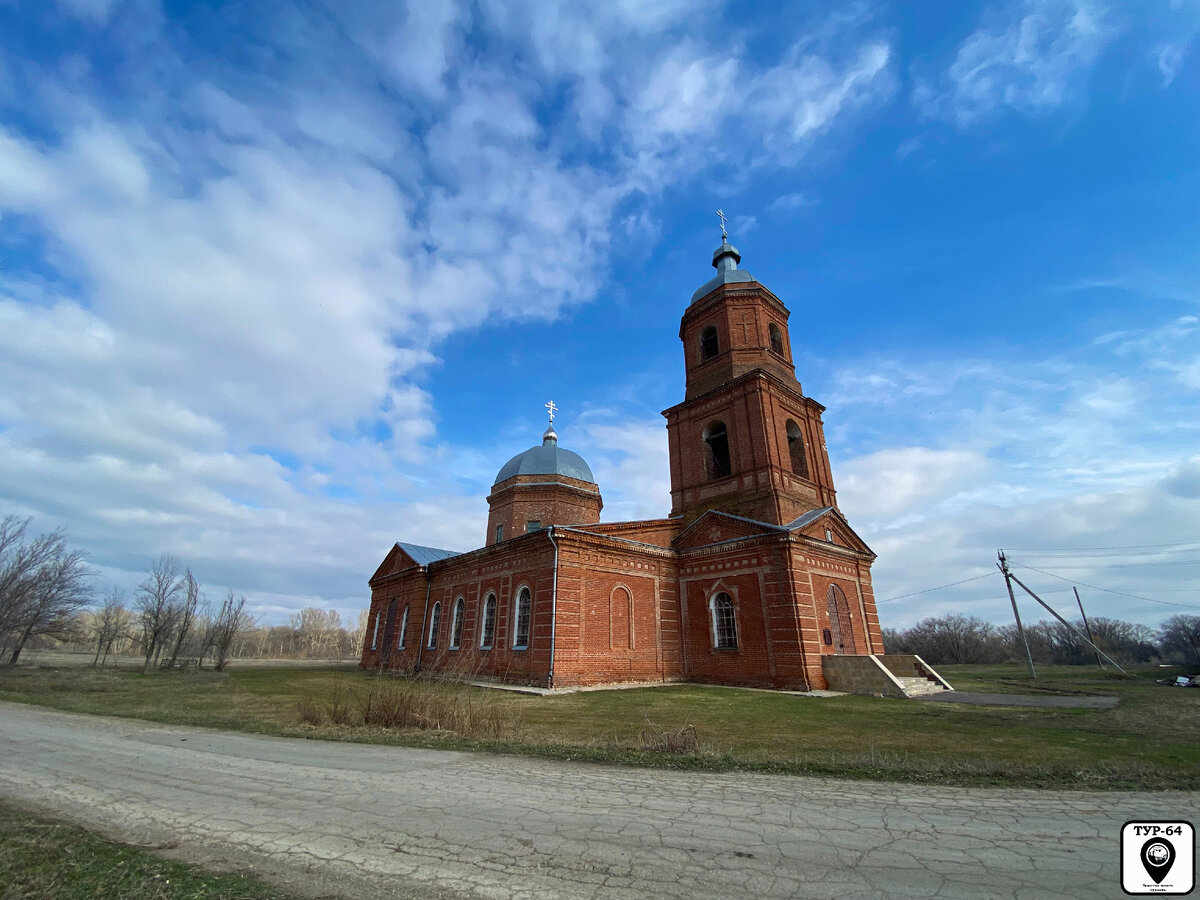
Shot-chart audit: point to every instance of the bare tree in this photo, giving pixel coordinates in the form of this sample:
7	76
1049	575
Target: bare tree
110	622
43	584
1179	638
948	639
158	605
316	630
231	621
187	614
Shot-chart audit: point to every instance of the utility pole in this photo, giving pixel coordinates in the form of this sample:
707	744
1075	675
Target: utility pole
1087	627
1079	634
1003	567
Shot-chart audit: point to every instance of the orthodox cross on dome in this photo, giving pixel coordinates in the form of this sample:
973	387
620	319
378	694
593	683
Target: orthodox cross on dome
553	409
721	216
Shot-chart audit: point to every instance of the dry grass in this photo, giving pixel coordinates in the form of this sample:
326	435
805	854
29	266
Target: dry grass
1151	741
660	739
402	702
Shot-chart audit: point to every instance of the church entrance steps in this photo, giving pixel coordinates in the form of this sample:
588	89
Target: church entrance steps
900	676
918	686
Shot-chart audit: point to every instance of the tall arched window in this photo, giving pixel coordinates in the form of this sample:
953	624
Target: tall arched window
435	619
839	620
723	622
403	630
456	623
375	632
710	346
776	338
523	611
716	442
487	628
795	441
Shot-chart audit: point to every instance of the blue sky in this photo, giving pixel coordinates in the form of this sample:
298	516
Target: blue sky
282	283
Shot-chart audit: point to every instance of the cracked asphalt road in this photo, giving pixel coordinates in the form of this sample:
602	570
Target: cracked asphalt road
353	820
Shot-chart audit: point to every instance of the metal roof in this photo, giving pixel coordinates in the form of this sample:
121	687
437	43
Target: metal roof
811	516
423	556
725	261
546	459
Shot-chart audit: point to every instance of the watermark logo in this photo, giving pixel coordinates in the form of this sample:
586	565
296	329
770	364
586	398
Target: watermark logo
1158	857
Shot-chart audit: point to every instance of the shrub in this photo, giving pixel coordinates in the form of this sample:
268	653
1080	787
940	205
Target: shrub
310	711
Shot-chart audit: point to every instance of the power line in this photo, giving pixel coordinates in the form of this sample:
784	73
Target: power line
1095	587
1067	551
938	588
1181	562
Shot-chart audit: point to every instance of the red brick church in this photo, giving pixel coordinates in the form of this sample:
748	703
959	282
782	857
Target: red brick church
755	577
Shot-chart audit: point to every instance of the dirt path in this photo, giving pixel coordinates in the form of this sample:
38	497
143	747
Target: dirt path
353	820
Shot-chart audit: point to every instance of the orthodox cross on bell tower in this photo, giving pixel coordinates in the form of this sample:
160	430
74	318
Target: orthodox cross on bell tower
721	216
553	409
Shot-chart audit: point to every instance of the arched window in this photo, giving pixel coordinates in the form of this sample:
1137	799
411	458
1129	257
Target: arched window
776	338
456	623
723	622
795	441
521	629
716	441
435	618
375	632
487	628
403	629
710	346
839	620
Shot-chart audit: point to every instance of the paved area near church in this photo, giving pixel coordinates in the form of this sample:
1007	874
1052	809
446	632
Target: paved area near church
353	820
1048	701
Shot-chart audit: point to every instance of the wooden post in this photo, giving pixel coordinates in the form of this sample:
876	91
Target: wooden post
1003	566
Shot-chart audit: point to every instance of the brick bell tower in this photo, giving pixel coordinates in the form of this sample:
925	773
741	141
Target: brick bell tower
745	439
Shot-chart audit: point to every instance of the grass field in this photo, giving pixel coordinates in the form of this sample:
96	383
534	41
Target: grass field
46	860
1150	741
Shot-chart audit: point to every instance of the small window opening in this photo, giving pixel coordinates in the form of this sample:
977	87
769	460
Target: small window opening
499	533
709	345
796	449
724	623
487	628
521	631
434	619
716	440
776	338
456	624
533	525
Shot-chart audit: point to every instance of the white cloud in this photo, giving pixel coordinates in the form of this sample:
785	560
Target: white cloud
96	11
889	483
1033	57
1094	448
793	202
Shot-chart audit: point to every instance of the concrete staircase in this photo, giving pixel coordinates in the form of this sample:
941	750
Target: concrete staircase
900	676
919	686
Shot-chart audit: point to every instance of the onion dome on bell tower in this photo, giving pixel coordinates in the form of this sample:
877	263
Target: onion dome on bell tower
745	439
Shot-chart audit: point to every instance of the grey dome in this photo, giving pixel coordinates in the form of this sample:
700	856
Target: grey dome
547	459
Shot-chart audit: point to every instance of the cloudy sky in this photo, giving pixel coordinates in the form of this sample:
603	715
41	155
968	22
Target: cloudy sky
282	283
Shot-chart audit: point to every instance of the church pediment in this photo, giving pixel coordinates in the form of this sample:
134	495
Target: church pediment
829	526
409	556
715	527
